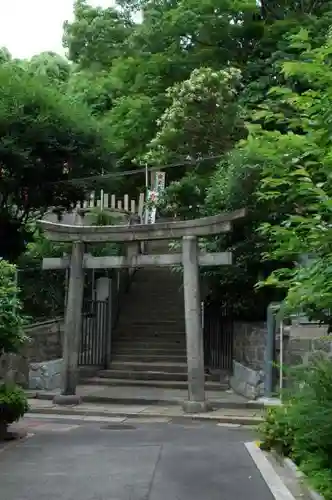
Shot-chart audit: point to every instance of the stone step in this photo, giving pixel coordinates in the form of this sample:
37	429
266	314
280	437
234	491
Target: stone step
170	349
146	357
149	375
167	348
150	343
139	351
138	317
158	304
168	384
169	309
174	327
132	334
151	333
159	288
154	366
147	344
169	296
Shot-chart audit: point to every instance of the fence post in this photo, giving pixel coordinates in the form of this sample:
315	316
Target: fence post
270	349
103	294
109	326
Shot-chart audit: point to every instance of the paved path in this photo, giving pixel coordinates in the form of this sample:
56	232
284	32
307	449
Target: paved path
241	416
67	460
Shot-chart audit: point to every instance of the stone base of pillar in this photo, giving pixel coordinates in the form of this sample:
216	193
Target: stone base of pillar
196	406
67	400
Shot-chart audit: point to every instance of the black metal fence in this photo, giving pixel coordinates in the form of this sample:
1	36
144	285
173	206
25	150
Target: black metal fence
218	336
95	334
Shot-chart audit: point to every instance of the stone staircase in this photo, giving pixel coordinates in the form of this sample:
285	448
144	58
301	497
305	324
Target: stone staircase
149	345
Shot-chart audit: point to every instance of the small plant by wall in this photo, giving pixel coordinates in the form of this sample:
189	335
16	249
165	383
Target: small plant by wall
13	402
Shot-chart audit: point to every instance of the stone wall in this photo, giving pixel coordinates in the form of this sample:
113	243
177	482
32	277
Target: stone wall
46	340
248	363
246	381
249	344
302	343
305	342
44	344
46	375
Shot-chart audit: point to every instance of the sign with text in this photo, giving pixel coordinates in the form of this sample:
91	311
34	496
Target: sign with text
153	195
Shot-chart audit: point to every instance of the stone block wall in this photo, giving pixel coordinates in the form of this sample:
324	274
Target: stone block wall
46	376
249	344
246	381
44	345
302	343
46	340
15	369
307	342
248	350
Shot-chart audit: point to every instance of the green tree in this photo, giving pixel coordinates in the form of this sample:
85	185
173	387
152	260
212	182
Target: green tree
11	319
303	181
46	139
94	89
96	36
203	117
49	65
5	55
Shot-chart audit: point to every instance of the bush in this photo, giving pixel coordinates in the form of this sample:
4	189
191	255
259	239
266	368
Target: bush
276	431
11	318
302	428
13	403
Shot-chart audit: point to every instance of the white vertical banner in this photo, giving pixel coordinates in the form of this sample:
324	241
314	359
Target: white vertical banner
151	212
153	195
160	182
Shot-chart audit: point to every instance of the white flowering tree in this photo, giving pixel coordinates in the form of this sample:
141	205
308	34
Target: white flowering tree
202	119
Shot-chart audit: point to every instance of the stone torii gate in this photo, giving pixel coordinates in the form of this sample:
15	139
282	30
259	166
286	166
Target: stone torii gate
190	258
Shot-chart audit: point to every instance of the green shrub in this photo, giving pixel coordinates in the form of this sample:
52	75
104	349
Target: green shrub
13	403
276	431
11	317
302	427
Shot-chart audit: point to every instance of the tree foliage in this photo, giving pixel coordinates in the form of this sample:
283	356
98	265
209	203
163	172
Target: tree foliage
46	139
96	37
234	93
50	65
11	318
203	118
302	179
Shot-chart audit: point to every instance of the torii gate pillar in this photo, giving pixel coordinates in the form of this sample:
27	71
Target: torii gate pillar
73	327
194	335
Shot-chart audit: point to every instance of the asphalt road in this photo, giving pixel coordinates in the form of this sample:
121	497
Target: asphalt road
67	460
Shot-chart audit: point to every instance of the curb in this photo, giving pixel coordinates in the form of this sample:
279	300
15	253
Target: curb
297	474
273	481
226	419
247	405
292	467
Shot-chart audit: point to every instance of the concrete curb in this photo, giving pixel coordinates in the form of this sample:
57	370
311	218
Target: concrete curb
297	474
292	467
273	481
226	419
248	405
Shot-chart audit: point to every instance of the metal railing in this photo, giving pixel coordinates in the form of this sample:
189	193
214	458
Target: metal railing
217	325
95	329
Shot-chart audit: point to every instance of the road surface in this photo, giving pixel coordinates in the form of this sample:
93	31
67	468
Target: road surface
105	460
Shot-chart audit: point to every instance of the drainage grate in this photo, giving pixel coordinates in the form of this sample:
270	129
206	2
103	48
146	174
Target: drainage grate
118	427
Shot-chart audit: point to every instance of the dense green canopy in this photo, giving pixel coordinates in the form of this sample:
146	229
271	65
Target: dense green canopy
232	86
